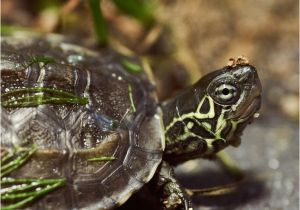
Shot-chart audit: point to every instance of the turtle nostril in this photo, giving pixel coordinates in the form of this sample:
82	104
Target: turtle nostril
245	77
245	73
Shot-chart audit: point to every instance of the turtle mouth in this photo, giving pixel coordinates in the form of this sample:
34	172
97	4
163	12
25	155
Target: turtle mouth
250	111
246	117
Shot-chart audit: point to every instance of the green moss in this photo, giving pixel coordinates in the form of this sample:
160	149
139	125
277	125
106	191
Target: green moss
104	158
131	66
131	98
35	96
17	193
11	161
40	59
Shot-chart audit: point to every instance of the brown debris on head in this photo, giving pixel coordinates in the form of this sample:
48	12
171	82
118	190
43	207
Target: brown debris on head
241	60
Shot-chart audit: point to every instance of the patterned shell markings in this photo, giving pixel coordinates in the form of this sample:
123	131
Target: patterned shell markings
121	120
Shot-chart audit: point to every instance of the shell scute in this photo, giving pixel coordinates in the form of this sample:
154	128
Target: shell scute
69	135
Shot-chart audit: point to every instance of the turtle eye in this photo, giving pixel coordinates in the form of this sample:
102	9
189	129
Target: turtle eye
226	93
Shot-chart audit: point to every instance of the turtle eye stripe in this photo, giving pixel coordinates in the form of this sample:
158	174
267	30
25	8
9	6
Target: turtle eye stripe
207	123
194	123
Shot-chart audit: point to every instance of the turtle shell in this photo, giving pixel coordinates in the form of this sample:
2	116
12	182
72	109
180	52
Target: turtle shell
105	108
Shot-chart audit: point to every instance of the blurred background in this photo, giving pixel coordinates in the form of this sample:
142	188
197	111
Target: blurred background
186	39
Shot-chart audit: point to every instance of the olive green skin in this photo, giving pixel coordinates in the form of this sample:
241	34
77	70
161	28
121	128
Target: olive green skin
120	120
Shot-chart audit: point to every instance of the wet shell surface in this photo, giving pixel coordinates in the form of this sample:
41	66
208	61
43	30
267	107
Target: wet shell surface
92	117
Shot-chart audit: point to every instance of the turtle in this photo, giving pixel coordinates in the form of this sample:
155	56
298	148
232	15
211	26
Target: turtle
84	129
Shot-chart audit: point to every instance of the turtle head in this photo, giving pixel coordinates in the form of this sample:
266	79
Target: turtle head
213	113
237	92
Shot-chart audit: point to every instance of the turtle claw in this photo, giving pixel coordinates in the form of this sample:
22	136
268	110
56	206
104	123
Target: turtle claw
174	202
173	196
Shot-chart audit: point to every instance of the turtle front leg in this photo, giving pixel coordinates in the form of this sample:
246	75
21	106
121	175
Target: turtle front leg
172	195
